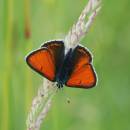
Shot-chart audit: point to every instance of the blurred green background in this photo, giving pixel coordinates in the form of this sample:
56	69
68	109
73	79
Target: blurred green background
25	24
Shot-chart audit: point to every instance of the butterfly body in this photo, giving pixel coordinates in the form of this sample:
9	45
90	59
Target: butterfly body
64	69
73	69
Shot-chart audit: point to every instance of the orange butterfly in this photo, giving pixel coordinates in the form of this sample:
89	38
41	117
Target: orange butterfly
73	69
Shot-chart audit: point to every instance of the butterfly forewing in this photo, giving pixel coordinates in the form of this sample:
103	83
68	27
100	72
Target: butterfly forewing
82	74
45	59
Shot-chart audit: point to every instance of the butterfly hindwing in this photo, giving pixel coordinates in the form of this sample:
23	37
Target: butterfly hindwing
42	62
82	74
45	59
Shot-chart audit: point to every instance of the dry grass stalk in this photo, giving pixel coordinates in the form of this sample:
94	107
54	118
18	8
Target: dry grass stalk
80	29
41	105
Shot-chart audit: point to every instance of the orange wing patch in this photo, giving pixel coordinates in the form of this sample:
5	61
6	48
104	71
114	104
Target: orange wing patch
43	62
82	78
82	75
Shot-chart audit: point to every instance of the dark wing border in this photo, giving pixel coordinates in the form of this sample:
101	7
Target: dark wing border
46	44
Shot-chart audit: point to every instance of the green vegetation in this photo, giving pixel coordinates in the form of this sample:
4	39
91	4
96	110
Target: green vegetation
25	24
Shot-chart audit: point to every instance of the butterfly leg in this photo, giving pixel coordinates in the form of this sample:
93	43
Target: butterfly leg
59	85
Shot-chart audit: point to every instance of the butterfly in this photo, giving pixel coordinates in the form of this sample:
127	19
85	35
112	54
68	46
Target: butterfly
73	69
